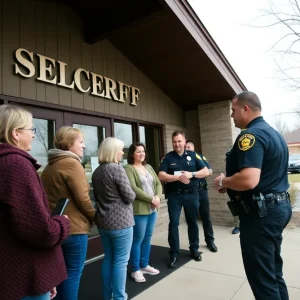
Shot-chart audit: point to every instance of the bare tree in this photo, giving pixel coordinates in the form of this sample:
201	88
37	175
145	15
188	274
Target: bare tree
280	125
286	16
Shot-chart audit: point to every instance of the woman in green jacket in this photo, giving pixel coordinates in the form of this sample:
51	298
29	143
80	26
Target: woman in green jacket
148	190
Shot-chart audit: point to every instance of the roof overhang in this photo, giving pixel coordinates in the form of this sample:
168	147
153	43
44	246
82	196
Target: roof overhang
167	42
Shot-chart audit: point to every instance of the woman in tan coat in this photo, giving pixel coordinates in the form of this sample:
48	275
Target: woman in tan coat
64	177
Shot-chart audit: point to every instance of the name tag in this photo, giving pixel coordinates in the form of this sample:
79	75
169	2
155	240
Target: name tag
177	173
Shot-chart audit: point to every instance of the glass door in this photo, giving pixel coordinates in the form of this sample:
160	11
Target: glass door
95	130
46	122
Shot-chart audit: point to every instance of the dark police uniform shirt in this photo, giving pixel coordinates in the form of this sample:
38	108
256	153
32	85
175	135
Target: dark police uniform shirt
188	161
260	146
203	180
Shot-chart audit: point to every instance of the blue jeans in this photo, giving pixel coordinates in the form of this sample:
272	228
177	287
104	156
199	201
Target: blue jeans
261	240
41	297
74	250
141	245
117	245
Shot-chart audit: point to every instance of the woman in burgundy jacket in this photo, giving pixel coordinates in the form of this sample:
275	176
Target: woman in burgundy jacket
31	263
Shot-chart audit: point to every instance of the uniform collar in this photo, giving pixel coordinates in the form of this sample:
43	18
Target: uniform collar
254	121
185	153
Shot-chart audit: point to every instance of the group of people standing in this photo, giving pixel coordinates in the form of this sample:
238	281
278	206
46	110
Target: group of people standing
42	256
52	249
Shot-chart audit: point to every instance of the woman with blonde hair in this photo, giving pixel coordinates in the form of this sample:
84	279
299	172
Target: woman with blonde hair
64	177
148	190
31	263
114	198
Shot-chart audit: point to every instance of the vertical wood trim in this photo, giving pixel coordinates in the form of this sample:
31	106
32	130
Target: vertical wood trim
40	44
98	69
135	83
105	73
11	42
64	53
87	64
121	78
149	100
76	55
162	101
112	73
27	41
51	49
128	80
143	97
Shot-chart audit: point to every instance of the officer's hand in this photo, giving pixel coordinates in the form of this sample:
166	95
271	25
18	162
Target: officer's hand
189	175
222	190
216	182
184	179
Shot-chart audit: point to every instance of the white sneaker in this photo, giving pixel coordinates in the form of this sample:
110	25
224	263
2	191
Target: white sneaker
138	276
149	270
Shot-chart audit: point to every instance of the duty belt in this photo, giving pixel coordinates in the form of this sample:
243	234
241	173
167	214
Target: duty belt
186	191
277	197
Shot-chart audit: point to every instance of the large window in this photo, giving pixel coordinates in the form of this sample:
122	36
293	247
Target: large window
150	137
124	133
43	141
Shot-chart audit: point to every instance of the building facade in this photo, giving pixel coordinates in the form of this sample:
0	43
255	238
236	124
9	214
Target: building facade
136	70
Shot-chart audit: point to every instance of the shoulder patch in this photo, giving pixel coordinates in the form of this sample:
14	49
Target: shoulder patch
246	141
198	156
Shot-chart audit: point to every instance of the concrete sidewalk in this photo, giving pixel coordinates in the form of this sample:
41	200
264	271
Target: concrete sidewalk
221	276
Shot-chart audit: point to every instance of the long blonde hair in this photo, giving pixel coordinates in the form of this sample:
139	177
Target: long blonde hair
11	117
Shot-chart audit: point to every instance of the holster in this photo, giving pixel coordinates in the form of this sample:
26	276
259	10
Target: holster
239	207
260	202
233	206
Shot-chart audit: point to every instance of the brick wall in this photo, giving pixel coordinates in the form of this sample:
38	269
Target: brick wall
217	133
193	128
167	134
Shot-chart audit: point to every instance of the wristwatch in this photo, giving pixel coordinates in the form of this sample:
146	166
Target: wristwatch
221	182
193	174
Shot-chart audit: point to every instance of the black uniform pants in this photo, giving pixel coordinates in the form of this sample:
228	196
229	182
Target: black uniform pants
205	216
190	204
261	240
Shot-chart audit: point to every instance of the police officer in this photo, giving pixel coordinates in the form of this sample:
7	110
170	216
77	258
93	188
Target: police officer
204	203
256	182
180	170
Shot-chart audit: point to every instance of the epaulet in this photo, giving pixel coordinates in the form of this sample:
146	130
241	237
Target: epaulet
198	156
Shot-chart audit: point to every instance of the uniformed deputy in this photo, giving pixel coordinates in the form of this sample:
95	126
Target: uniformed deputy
180	170
204	202
256	182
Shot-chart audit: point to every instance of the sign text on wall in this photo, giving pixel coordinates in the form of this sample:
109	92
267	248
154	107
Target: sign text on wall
85	81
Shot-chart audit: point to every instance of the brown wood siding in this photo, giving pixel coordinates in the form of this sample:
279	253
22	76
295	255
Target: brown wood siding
57	32
10	42
64	53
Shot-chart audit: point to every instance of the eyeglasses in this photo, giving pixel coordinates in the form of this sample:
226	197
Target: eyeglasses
32	129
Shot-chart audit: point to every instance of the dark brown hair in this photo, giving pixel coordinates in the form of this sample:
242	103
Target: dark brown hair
250	99
177	132
131	151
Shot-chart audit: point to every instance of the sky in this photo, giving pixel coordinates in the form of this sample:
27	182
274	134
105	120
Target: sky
233	25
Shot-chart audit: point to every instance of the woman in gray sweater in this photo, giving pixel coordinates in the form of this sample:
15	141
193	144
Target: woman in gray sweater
114	198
